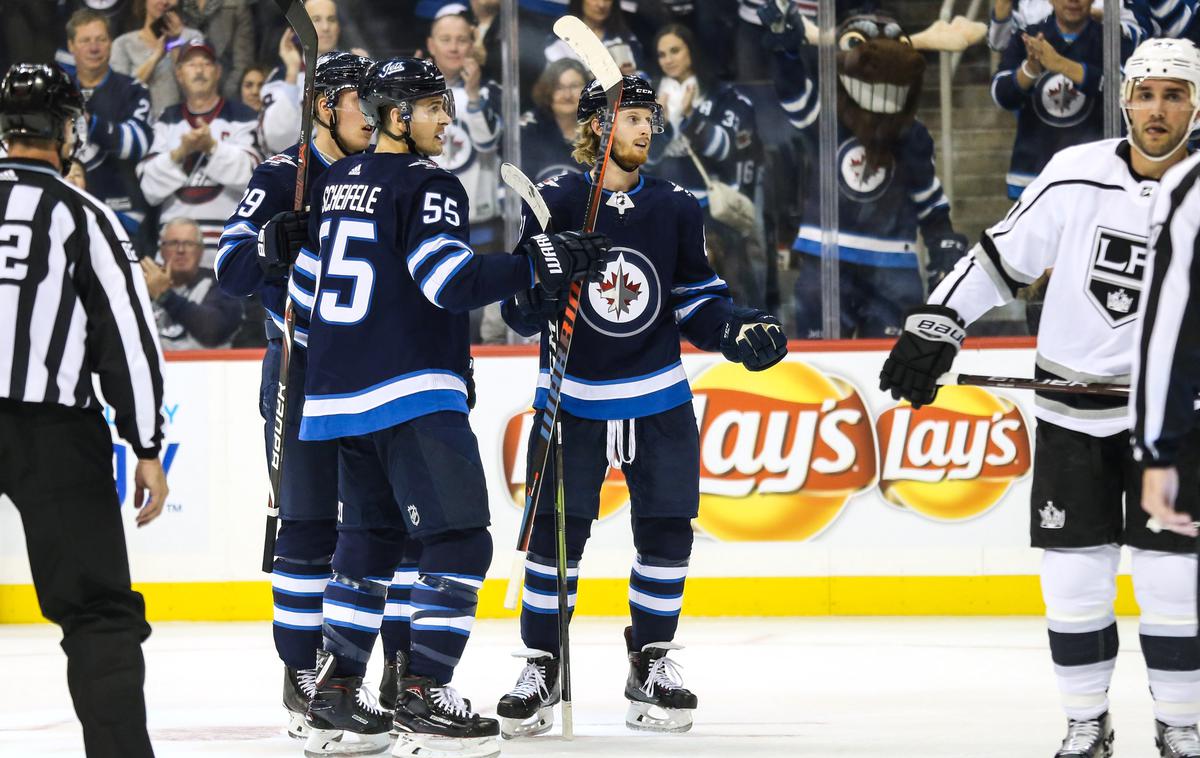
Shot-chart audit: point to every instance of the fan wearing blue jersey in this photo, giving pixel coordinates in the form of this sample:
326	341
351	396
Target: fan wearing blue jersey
388	350
308	532
626	403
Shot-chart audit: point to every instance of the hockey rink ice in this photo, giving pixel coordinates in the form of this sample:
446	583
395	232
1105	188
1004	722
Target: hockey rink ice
844	687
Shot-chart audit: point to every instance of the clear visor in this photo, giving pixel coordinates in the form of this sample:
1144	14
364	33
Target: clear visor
422	109
632	115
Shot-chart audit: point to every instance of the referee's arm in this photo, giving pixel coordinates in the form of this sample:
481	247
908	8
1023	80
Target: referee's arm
122	343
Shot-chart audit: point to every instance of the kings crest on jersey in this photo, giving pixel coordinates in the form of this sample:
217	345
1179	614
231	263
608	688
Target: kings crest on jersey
657	284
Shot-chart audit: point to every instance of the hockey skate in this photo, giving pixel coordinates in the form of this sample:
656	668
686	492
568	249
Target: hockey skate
658	701
393	672
528	709
1088	739
435	722
341	707
299	686
1176	741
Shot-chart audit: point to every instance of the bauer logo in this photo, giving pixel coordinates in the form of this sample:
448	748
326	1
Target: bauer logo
781	452
954	459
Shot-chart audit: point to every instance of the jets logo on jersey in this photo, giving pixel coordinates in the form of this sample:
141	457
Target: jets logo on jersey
1114	281
458	152
857	184
628	299
1058	103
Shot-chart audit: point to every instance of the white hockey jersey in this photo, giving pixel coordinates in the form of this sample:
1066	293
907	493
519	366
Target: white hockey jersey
204	188
472	149
1086	217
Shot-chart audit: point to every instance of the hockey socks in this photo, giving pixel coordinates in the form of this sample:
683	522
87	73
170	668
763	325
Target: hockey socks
1165	587
656	582
353	614
444	599
539	604
301	570
397	614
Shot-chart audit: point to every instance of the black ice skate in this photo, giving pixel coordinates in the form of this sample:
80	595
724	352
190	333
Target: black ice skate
658	701
435	722
393	672
1088	739
1176	741
342	707
299	686
529	708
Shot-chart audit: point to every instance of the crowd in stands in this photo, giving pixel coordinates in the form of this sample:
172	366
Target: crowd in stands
186	97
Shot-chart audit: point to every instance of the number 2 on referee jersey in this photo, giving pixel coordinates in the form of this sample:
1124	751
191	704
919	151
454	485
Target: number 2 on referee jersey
14	250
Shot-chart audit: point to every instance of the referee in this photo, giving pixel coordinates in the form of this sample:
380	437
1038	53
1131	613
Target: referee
73	303
1166	370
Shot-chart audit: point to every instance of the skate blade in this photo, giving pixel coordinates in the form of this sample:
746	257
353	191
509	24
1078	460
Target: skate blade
297	729
410	745
538	723
323	742
645	717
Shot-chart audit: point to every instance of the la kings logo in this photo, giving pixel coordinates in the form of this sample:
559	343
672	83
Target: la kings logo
1114	280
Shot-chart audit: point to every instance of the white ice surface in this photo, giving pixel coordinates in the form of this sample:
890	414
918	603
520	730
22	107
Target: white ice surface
920	688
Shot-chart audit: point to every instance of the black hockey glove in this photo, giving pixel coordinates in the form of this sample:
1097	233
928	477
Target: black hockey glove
560	259
933	335
279	242
754	339
944	252
536	305
469	378
783	32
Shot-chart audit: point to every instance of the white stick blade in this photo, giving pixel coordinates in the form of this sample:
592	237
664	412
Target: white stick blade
590	50
525	188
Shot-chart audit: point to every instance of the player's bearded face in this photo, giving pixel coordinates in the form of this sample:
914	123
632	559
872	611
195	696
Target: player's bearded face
631	138
428	124
1160	113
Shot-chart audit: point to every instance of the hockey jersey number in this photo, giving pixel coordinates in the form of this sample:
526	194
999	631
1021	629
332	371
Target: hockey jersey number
14	250
359	271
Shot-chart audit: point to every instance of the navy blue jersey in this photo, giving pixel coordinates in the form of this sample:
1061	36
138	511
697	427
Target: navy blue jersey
544	152
879	212
389	338
119	135
624	360
271	190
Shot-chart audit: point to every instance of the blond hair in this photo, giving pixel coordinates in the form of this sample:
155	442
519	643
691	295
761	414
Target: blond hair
587	144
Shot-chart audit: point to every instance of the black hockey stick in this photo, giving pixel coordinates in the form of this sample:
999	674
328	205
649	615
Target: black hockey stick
1045	385
298	19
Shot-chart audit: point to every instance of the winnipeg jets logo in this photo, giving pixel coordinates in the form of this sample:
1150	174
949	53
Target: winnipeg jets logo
1059	103
628	299
1114	278
857	182
458	153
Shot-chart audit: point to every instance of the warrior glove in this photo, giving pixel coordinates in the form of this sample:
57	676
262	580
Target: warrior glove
560	259
279	242
754	339
933	335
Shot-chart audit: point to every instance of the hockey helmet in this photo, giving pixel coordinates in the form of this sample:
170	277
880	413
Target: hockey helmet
1163	58
35	100
401	82
636	92
337	72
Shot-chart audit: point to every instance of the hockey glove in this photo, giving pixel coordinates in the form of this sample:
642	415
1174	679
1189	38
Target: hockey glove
560	259
944	252
279	242
932	336
469	378
536	305
784	30
754	339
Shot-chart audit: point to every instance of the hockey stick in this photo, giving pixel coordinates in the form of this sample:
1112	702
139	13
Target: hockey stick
528	191
1045	385
298	19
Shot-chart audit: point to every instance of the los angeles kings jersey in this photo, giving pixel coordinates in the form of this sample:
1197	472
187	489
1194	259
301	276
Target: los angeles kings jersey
1085	217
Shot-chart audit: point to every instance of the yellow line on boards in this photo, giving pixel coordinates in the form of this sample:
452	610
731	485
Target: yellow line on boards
705	596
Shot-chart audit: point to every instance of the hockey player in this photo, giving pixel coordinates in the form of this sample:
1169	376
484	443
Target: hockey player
1086	216
626	403
308	531
388	351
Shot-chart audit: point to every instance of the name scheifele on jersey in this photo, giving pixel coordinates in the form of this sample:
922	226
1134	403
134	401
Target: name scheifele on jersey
358	198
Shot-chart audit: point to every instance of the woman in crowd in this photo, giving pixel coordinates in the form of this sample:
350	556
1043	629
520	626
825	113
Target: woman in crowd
548	131
605	18
147	54
250	86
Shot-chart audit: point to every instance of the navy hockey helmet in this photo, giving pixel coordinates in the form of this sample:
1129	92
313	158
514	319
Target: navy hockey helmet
636	92
337	72
35	100
401	82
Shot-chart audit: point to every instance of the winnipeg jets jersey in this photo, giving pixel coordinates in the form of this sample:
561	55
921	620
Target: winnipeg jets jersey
472	149
271	190
396	276
119	134
624	360
1085	217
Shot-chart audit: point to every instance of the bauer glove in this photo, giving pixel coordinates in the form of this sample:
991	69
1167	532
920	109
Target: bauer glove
754	339
932	336
560	259
279	242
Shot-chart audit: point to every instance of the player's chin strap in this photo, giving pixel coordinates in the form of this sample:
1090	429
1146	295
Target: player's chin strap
333	96
621	447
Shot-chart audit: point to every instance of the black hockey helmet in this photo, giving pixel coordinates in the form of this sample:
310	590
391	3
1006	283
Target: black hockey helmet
400	82
337	72
35	100
636	92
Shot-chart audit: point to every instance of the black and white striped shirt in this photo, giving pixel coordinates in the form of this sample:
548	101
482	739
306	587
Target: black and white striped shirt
73	302
1166	370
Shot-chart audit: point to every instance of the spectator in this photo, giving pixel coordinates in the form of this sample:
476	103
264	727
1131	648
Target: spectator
487	37
191	311
118	110
250	88
607	21
23	36
203	151
1051	76
715	123
752	61
548	131
284	88
228	26
148	53
1139	20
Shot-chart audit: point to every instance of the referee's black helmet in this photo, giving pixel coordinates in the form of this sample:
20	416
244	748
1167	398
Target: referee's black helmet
35	100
